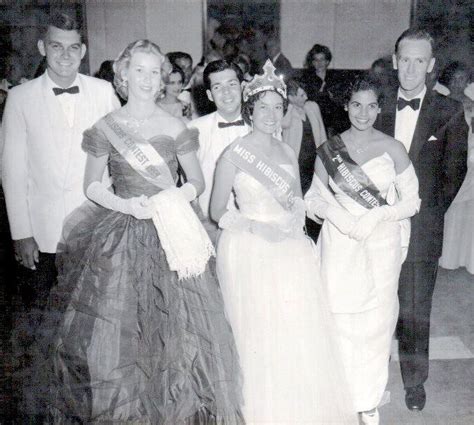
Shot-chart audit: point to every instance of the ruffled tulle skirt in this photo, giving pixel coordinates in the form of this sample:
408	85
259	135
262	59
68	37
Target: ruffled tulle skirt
125	341
284	333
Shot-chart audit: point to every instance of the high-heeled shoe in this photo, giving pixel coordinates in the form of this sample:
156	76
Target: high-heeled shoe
370	417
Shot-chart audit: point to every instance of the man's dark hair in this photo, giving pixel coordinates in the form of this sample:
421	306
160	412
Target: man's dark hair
174	56
416	33
63	21
218	66
316	49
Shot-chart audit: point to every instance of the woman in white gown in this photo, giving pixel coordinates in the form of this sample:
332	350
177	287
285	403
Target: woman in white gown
364	188
267	271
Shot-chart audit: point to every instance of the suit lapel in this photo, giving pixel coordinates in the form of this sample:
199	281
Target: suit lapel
422	128
388	118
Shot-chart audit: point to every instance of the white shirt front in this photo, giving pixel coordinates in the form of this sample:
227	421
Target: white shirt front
66	100
211	146
406	119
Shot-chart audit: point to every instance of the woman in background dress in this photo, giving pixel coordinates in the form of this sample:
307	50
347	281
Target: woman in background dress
267	272
458	242
170	102
363	240
141	338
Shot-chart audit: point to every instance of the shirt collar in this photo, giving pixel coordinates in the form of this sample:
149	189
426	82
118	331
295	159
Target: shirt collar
221	118
420	95
50	84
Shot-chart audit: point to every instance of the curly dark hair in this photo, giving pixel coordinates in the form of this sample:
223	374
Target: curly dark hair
316	49
364	82
249	104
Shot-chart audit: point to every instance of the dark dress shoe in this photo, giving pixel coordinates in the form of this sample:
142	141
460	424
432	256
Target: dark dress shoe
415	397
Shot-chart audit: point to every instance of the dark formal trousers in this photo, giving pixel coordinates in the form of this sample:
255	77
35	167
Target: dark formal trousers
415	293
34	287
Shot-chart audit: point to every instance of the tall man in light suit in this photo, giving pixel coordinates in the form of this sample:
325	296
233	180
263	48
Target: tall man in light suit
43	163
434	132
219	129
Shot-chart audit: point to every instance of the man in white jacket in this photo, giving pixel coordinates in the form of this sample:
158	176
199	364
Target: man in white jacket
43	163
219	129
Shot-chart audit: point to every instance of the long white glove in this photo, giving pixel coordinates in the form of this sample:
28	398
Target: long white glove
407	205
139	207
317	205
234	220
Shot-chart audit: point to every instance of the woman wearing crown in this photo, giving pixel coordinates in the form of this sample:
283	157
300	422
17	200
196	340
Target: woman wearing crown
266	267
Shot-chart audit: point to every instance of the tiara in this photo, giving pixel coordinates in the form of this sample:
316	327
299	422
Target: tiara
268	81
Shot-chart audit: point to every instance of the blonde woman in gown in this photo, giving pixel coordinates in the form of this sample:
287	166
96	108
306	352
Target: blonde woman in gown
363	240
267	271
135	338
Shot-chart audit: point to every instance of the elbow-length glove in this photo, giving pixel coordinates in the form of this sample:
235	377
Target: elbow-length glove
320	203
407	205
139	207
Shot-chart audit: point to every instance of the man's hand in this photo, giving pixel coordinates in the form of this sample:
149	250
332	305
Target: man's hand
26	252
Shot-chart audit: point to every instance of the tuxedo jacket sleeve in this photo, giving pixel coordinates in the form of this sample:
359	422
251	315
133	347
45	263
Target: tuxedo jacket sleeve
439	155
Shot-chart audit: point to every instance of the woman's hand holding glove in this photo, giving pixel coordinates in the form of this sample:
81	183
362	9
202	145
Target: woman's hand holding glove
139	207
406	206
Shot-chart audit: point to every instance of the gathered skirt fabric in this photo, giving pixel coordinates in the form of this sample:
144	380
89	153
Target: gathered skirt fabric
283	330
125	341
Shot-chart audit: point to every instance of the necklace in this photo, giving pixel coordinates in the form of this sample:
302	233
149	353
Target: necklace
359	148
135	123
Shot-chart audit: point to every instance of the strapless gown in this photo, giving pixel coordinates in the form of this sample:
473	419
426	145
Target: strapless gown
362	281
282	328
125	341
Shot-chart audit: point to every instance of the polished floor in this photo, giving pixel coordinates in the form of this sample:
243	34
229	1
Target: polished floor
450	387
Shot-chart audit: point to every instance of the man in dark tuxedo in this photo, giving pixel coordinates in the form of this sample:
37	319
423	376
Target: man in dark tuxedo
433	130
279	60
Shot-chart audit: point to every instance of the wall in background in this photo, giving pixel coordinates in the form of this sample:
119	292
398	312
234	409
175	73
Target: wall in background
173	25
356	31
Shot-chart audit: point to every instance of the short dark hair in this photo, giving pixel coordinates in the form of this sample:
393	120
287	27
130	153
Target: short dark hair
249	104
175	69
416	33
218	66
364	82
292	86
451	69
174	56
316	49
63	21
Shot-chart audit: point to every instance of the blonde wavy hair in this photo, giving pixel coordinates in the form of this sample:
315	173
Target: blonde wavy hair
123	62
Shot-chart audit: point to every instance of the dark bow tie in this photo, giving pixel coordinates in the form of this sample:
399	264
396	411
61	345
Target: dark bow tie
230	124
71	90
413	103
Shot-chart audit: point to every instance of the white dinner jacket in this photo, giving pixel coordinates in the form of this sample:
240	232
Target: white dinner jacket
43	163
212	142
